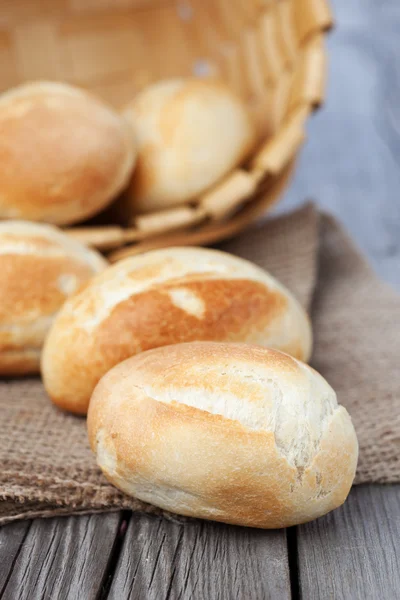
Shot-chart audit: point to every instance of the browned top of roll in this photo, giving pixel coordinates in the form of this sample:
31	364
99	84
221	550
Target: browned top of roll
64	154
39	268
236	433
166	297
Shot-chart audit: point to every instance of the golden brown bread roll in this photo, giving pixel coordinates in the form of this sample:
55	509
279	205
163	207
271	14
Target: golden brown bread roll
229	432
65	155
39	268
190	133
165	297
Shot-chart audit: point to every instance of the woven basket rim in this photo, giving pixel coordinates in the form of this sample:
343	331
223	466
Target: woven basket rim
270	51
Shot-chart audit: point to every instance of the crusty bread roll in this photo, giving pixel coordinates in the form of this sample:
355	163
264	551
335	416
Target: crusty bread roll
64	154
166	297
39	268
190	133
234	433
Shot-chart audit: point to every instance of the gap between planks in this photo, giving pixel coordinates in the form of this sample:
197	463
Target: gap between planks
349	553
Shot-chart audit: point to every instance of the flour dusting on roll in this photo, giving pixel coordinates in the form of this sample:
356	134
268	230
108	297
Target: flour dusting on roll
166	297
230	432
39	268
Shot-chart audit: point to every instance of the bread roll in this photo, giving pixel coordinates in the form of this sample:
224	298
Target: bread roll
234	433
166	297
64	154
39	268
190	133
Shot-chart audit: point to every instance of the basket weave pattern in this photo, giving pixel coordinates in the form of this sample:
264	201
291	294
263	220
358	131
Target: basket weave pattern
270	51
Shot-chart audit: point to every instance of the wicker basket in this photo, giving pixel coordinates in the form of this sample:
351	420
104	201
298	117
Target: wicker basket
270	51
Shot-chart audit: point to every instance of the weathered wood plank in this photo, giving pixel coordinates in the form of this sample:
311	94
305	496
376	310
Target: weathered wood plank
63	558
350	165
354	551
161	559
11	540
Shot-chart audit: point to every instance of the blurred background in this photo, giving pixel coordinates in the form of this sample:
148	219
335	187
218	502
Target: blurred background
350	164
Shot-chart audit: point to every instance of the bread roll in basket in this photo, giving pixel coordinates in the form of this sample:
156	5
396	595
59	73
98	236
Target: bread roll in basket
270	52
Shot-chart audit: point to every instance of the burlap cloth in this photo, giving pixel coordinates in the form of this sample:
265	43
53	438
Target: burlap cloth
46	464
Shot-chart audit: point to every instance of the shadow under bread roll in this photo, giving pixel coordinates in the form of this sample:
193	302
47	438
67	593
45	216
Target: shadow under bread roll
39	268
65	155
166	297
233	433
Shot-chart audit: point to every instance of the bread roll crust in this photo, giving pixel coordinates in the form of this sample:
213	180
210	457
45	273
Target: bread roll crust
166	297
234	433
190	133
65	155
39	268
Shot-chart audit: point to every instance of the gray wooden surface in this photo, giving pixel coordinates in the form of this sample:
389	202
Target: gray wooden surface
351	166
57	559
161	559
350	554
353	553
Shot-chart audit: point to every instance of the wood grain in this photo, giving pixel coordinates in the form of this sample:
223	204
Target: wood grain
63	558
161	559
354	551
11	539
350	165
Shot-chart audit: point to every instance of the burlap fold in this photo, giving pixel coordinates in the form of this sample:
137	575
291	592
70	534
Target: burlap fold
46	464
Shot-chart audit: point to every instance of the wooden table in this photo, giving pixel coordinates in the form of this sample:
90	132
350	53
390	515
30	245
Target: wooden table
349	554
351	164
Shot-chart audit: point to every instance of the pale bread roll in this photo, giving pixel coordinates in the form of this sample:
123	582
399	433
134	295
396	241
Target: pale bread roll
189	133
65	155
39	268
166	297
234	433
